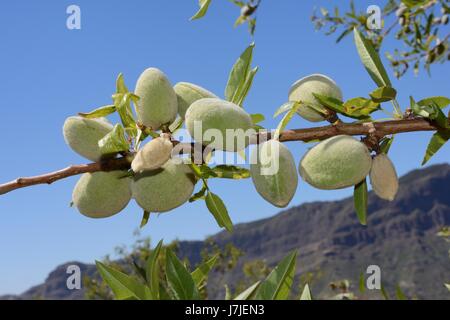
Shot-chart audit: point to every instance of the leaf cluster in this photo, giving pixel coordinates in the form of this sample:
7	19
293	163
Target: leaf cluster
247	12
178	282
419	26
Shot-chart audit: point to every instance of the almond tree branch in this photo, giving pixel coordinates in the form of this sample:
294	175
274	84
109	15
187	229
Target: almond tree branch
318	133
48	178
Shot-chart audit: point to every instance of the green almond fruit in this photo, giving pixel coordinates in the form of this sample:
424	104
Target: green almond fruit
187	94
165	188
336	163
157	103
210	120
303	89
274	173
383	177
82	135
153	155
102	194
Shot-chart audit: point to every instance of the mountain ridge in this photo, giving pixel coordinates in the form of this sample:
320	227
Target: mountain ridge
400	238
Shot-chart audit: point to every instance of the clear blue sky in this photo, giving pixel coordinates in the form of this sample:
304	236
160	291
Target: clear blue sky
49	73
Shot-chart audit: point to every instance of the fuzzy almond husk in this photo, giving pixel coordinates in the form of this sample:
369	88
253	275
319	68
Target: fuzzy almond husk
383	177
165	188
82	135
158	101
213	115
336	163
277	187
102	194
188	93
153	155
303	89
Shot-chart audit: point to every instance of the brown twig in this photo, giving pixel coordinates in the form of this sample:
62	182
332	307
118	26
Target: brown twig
48	178
309	134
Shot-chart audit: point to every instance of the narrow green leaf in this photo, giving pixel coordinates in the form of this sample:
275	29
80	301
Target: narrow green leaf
246	87
362	283
447	285
238	75
114	141
122	101
360	196
257	118
231	172
219	211
258	128
399	293
240	20
239	3
140	136
278	283
383	94
360	108
123	286
120	84
343	34
371	60
413	3
145	218
284	108
139	270
285	120
99	112
227	293
123	107
207	172
201	272
306	294
384	293
437	141
331	103
432	111
199	195
386	144
248	293
204	5
440	101
440	118
163	293
202	171
152	270
179	279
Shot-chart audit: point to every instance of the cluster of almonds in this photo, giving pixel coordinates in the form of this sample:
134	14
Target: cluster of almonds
335	163
160	183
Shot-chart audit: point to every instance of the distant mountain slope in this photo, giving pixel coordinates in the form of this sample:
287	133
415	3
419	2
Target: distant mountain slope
400	238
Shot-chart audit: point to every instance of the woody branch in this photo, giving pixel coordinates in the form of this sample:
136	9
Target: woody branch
379	129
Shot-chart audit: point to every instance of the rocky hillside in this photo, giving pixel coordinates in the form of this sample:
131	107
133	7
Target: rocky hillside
400	238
